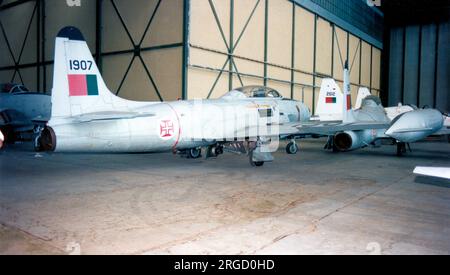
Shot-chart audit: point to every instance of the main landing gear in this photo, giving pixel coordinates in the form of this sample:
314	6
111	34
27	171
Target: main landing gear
259	153
292	148
403	148
253	162
214	151
331	145
194	153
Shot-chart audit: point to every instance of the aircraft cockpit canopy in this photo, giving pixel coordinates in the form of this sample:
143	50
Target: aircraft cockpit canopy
371	101
253	92
10	88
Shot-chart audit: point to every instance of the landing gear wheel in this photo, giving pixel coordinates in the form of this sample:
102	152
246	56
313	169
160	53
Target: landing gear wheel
401	149
256	163
292	148
217	150
195	153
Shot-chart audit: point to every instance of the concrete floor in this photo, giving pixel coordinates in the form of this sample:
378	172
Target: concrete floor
316	202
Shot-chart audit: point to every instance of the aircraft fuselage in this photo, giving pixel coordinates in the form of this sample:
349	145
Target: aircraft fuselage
176	125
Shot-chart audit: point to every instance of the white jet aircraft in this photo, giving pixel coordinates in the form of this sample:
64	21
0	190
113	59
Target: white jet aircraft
87	117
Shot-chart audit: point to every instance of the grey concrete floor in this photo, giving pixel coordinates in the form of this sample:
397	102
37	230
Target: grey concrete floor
316	202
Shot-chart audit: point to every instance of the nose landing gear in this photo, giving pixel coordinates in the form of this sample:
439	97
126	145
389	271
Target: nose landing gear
214	151
194	153
292	148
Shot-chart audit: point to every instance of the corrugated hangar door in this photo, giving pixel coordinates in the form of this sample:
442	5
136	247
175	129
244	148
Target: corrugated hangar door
19	43
277	43
56	15
142	48
419	65
154	50
138	44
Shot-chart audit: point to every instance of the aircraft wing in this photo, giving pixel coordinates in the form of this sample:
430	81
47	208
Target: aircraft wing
331	128
309	128
109	116
433	172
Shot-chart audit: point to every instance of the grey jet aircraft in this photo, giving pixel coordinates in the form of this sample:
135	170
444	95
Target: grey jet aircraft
21	111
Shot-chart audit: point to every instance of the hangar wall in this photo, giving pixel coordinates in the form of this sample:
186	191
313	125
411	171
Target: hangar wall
278	43
165	50
140	43
419	65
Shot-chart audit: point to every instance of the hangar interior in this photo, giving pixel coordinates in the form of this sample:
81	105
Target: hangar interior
364	202
166	50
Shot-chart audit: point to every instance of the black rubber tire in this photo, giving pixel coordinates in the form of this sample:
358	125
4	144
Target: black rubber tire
257	163
217	151
195	153
292	148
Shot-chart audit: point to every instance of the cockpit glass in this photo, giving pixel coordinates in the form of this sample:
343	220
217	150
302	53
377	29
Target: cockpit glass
13	88
259	92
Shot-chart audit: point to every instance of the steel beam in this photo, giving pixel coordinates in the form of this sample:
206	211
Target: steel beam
266	38
98	34
316	17
184	70
293	51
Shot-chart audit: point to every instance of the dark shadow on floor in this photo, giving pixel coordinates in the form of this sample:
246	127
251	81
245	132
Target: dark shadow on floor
433	181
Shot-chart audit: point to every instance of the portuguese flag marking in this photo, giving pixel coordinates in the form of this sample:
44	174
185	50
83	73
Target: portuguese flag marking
83	85
331	100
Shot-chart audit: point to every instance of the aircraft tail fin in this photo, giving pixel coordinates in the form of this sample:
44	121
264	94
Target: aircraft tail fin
329	107
78	87
363	92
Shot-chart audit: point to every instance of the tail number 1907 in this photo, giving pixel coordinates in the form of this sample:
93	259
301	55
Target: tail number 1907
77	65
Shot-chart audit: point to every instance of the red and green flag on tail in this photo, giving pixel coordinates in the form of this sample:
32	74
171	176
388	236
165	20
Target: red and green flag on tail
83	85
331	100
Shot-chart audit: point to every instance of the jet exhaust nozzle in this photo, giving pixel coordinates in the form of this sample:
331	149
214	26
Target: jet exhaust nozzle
352	140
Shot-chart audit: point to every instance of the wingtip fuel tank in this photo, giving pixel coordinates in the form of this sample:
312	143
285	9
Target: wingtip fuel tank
415	125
